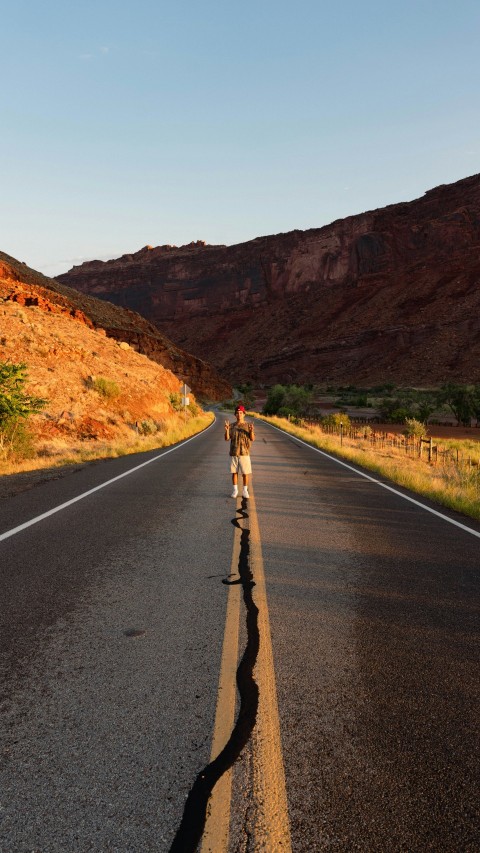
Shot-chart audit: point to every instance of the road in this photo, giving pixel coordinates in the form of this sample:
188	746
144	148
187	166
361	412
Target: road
352	611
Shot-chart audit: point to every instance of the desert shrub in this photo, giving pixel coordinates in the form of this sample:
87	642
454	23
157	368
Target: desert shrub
176	402
401	415
193	409
335	419
16	441
386	387
105	387
286	412
414	428
147	427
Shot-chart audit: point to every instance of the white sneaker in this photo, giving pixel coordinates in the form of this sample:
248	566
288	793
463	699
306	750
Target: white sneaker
235	492
245	492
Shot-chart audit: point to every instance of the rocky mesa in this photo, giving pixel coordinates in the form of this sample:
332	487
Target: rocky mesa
29	287
392	293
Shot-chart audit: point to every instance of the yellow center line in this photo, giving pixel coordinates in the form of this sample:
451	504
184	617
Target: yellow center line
215	835
272	825
270	807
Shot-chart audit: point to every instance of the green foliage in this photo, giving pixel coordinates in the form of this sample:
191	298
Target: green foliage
176	402
16	440
246	391
285	400
105	387
387	387
147	427
462	400
193	409
414	428
335	419
426	403
15	408
14	402
275	399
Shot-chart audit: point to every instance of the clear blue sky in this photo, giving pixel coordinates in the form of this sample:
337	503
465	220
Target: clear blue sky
127	123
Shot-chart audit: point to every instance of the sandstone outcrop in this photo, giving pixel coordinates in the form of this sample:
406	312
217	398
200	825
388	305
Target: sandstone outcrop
391	294
31	288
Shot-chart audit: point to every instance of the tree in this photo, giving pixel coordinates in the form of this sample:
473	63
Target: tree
460	399
15	405
476	402
275	400
247	392
426	405
287	400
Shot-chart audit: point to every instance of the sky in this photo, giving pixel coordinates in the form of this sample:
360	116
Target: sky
131	123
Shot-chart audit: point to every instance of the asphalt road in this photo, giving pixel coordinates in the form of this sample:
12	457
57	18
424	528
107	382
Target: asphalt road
112	631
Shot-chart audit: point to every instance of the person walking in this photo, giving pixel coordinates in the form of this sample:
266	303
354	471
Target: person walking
240	434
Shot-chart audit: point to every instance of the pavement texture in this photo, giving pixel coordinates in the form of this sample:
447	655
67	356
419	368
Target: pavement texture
112	637
111	645
374	610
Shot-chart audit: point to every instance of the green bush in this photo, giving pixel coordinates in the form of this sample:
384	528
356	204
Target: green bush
176	402
287	400
275	399
147	427
105	387
335	419
414	428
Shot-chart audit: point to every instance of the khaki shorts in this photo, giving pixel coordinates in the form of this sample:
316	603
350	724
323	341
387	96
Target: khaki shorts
240	464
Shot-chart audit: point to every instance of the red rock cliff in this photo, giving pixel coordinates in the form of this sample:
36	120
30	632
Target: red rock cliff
391	293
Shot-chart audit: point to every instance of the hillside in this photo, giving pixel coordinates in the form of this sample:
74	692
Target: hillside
389	294
98	390
118	323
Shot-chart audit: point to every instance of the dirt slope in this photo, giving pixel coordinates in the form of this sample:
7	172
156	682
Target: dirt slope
118	323
65	355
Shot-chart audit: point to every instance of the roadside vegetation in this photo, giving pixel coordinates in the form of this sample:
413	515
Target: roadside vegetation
16	406
149	435
391	404
105	387
454	481
21	450
446	471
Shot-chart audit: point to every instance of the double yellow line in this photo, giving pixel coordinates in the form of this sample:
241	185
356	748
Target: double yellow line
271	824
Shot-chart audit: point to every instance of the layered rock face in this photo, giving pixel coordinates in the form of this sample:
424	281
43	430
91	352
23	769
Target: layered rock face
30	288
388	294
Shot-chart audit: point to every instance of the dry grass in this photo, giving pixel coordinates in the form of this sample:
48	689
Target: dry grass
60	451
456	487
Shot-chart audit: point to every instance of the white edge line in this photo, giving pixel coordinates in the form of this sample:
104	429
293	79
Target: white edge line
378	482
55	509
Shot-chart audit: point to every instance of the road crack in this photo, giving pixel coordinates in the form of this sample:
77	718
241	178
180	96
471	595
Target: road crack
192	824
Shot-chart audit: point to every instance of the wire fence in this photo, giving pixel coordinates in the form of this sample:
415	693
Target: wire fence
425	448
